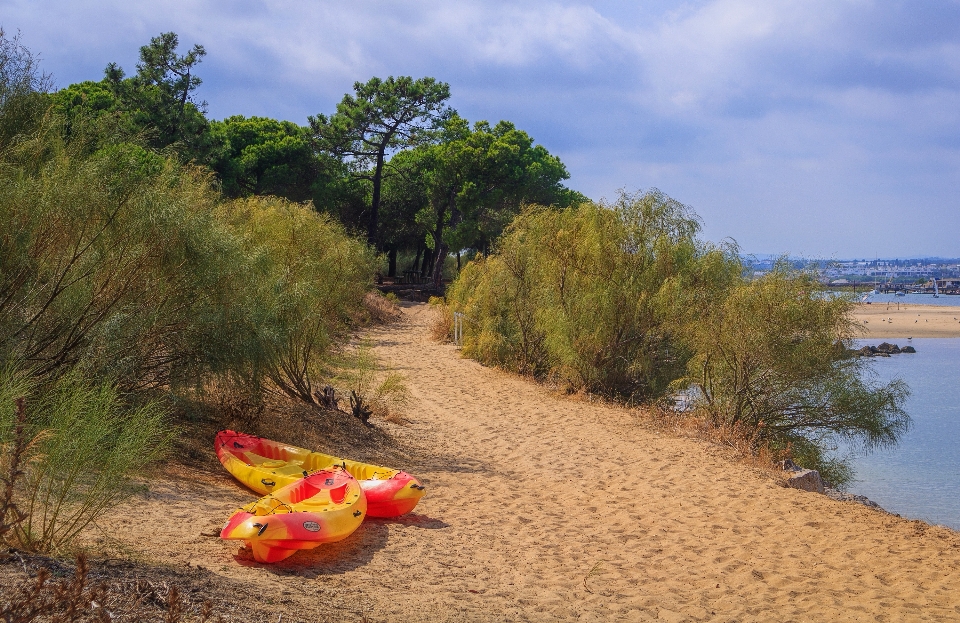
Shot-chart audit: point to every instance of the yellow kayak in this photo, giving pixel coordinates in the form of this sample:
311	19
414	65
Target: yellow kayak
265	465
326	506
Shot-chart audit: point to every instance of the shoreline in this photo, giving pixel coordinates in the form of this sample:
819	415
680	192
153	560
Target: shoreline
906	320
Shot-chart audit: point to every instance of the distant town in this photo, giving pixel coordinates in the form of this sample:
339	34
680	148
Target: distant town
884	275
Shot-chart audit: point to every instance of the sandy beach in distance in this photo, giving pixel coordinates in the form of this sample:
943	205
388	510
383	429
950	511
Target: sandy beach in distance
886	320
541	507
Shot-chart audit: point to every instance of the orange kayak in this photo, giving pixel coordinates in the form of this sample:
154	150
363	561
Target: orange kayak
326	506
265	465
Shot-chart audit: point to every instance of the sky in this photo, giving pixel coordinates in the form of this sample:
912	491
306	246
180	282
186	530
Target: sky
814	128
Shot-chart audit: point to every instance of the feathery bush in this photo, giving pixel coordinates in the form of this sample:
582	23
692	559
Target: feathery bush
585	295
373	389
773	357
86	445
109	261
306	286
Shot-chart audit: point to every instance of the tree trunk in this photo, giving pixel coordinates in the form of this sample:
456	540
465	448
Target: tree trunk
458	262
443	247
438	265
416	260
427	264
375	202
440	248
392	260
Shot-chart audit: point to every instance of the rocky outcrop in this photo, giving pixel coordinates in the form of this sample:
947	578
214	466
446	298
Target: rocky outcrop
842	496
803	479
883	350
806	480
810	480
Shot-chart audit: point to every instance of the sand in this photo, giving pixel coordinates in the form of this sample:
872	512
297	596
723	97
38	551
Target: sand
882	320
546	508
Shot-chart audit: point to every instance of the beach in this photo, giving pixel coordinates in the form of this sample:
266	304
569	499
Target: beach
543	507
890	320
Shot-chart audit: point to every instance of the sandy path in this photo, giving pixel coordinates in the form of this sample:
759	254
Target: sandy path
883	320
541	508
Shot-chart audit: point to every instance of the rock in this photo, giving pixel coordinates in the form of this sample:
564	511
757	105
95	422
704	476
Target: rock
806	480
851	497
883	350
789	466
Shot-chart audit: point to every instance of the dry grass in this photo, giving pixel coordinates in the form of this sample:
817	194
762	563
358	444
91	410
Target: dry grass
75	598
741	443
281	418
380	308
232	402
442	327
392	398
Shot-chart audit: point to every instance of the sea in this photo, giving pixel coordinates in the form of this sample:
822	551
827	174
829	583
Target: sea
920	477
947	300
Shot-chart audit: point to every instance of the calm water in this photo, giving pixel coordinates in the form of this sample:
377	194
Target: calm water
920	478
947	300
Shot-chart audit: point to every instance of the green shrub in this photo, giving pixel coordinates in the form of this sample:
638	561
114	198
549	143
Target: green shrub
497	297
110	261
125	282
127	264
586	295
305	288
773	357
87	444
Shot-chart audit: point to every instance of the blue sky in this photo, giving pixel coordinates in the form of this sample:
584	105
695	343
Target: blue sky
814	128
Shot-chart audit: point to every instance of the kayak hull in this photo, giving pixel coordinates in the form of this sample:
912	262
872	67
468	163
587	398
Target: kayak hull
324	507
265	465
